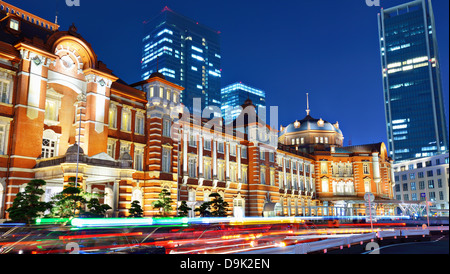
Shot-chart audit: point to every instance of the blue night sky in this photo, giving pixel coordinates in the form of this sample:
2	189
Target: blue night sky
328	48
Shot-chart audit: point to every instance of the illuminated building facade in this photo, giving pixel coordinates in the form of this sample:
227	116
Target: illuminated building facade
235	95
186	53
415	118
62	108
342	174
423	179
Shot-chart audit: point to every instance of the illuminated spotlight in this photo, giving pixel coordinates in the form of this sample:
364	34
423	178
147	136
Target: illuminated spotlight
88	222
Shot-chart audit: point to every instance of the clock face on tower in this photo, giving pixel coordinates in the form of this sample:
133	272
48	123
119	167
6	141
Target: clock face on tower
67	62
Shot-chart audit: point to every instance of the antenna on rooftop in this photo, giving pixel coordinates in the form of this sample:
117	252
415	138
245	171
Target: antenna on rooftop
56	15
307	104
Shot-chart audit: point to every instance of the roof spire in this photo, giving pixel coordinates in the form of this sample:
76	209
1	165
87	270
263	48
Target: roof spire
307	104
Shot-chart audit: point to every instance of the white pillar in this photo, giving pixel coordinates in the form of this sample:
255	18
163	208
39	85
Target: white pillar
238	160
200	155
185	153
227	160
376	171
214	156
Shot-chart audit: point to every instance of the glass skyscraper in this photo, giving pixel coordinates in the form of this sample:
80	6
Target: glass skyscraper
186	53
415	119
235	95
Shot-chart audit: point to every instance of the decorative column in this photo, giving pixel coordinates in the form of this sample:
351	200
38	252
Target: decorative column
238	160
376	171
115	206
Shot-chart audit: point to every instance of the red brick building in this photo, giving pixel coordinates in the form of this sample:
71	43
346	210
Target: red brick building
136	140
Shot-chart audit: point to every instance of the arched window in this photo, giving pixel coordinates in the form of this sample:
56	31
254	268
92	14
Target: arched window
137	195
49	144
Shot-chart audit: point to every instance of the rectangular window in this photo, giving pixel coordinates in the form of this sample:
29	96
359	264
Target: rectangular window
430	173
405	187
430	184
366	169
220	171
166	160
14	24
139	127
262	155
126	120
413	186
193	167
4	92
421	185
2	139
111	148
166	127
138	159
244	152
207	169
244	175
192	141
263	175
112	116
233	173
220	147
414	196
51	110
233	149
272	177
207	145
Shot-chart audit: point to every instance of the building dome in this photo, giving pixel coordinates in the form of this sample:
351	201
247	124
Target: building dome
157	74
73	149
310	123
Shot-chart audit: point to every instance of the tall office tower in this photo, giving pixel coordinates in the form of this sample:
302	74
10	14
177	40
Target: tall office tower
415	118
236	95
186	53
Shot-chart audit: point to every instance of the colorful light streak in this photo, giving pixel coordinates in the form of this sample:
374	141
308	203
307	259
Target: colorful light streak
92	222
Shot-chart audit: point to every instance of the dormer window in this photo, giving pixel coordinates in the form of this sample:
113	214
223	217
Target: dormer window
14	24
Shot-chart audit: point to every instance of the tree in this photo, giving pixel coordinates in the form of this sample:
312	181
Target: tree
183	209
95	209
27	205
218	205
204	209
164	204
69	200
135	210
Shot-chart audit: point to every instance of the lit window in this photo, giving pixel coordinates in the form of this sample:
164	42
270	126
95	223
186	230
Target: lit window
49	144
14	24
139	127
51	110
126	119
112	116
3	136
